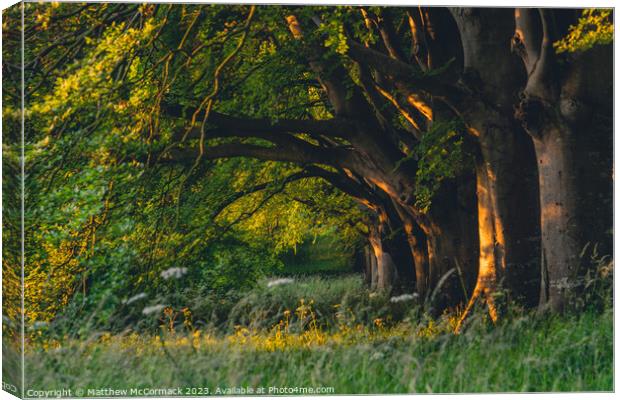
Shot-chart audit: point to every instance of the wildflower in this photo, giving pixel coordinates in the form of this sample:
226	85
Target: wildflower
39	325
377	355
156	309
135	298
279	281
403	297
174	272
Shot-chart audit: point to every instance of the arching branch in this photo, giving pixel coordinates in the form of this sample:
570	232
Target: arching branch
399	70
347	100
309	154
279	187
335	127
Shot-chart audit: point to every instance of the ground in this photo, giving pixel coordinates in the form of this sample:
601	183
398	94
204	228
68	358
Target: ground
334	336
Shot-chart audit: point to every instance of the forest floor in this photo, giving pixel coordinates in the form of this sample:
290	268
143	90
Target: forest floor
334	335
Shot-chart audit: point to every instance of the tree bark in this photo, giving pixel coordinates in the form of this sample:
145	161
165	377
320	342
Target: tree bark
385	268
417	244
559	221
503	210
367	254
374	272
558	100
486	283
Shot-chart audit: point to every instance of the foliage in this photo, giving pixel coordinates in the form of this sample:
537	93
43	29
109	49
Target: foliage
103	219
440	156
595	27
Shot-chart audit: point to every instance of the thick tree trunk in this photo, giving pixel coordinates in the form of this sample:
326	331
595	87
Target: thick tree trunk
443	241
417	247
558	217
506	212
486	283
508	179
385	268
557	101
386	272
451	246
553	139
417	243
505	203
441	254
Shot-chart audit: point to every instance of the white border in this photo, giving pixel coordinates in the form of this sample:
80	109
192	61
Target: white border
481	3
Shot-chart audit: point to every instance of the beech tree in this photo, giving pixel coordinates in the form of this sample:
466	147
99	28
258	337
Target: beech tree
557	102
452	129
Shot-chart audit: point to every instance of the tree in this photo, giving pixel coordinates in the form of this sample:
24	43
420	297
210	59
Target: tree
409	112
557	102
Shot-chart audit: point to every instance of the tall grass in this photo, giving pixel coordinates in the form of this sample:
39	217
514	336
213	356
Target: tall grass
332	332
526	354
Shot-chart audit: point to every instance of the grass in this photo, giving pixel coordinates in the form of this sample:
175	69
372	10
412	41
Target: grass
356	348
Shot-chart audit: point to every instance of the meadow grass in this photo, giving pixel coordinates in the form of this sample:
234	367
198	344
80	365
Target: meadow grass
305	348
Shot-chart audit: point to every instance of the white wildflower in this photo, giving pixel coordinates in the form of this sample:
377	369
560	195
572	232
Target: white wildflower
137	297
280	281
403	297
39	325
156	309
377	355
174	272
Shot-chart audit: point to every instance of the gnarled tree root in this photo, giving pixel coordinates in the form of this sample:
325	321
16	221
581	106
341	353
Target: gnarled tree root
485	294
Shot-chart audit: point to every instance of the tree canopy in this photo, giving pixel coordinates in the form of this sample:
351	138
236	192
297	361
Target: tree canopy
216	138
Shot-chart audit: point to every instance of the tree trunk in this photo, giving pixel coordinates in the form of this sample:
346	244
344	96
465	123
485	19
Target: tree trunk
365	264
504	200
443	285
558	100
486	283
417	243
451	240
374	274
558	218
385	268
417	247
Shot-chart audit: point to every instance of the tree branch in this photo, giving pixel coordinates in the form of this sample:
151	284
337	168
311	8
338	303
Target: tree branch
400	71
333	78
335	127
257	188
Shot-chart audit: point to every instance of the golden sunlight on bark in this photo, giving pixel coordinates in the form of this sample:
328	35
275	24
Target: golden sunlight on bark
487	273
294	27
421	105
400	109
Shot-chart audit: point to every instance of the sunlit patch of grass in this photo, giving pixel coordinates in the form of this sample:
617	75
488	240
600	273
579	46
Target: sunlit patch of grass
302	331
